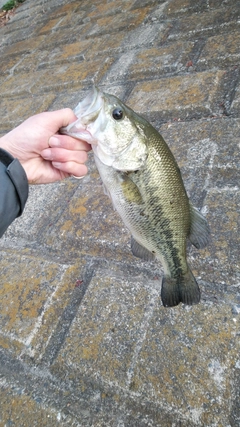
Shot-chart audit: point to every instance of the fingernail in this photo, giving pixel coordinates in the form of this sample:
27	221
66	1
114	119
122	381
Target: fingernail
56	165
54	142
78	177
47	154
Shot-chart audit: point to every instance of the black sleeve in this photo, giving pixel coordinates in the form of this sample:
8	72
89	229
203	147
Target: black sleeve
13	190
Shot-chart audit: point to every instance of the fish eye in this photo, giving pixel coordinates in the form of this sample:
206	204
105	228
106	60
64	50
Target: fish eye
118	113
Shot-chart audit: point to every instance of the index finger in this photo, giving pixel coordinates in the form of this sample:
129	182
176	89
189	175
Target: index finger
69	143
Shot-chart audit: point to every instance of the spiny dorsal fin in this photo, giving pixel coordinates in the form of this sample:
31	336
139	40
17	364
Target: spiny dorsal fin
199	232
141	252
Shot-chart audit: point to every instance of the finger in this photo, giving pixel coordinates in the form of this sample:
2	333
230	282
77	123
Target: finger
63	156
71	168
69	143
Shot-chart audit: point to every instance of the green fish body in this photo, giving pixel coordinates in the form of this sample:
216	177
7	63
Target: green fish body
143	180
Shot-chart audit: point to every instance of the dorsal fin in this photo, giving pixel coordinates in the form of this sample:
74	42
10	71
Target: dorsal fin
199	232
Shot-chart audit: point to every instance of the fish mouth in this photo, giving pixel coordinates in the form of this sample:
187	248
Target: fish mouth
87	112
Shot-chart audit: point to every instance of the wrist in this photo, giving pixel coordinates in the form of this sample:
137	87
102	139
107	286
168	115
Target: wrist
8	146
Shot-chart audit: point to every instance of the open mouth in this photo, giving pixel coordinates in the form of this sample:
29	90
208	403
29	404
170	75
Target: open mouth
87	112
89	105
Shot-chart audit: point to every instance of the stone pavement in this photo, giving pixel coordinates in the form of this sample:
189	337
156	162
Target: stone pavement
84	338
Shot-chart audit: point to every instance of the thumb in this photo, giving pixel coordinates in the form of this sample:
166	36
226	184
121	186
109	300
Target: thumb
63	117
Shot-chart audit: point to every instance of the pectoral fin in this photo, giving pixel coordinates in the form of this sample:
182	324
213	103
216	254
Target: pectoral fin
141	252
130	190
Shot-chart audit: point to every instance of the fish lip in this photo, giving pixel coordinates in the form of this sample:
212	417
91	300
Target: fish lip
86	111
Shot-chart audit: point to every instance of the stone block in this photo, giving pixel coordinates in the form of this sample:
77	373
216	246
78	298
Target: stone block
177	97
221	258
38	218
69	8
42	58
218	153
15	27
226	158
20	84
76	51
225	4
235	107
20	409
61	35
119	22
26	46
221	50
32	303
205	23
74	74
177	6
16	110
60	77
50	26
72	50
106	45
144	36
198	348
10	63
160	60
74	19
108	329
111	8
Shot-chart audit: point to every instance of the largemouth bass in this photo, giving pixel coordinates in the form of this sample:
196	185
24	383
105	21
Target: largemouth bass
143	180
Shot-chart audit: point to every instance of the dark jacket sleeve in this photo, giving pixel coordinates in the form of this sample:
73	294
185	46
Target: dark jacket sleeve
13	190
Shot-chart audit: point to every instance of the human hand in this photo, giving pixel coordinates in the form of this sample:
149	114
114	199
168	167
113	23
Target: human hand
46	155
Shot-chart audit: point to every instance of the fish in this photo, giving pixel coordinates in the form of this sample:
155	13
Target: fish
144	182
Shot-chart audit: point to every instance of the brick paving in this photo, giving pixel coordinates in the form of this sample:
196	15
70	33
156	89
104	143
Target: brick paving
84	338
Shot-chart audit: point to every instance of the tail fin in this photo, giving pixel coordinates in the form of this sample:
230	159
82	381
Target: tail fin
183	289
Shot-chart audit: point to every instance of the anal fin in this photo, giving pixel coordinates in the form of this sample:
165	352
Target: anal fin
141	252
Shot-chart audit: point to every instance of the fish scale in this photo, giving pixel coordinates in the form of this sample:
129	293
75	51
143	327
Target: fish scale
142	178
